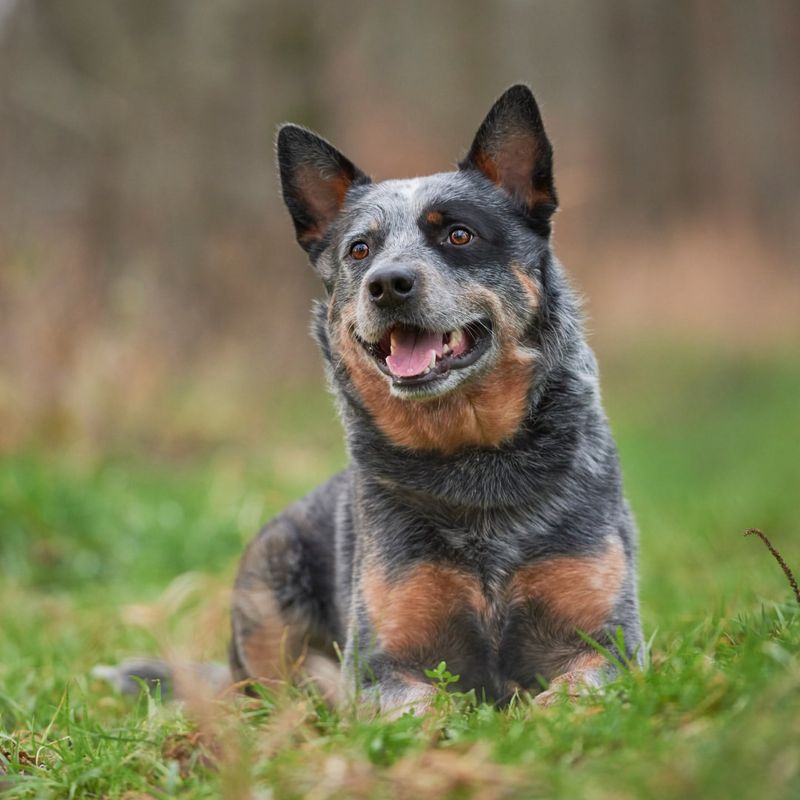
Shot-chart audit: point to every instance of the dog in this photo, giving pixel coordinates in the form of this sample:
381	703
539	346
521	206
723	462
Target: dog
481	520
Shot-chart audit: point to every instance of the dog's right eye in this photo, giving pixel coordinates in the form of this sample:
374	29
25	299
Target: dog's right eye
359	251
460	237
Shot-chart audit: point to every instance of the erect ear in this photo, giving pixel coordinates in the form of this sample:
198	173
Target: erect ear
512	149
315	178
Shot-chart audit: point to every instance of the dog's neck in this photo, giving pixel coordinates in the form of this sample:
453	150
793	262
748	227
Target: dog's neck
516	473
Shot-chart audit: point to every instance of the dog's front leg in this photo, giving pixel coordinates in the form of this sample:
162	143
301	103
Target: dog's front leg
379	683
405	621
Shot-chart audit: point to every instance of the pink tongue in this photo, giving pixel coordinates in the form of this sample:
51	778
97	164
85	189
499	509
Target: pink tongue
411	351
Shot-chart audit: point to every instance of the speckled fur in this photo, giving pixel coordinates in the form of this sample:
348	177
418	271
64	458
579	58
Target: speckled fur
472	542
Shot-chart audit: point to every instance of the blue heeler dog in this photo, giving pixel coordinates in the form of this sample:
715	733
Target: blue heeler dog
481	520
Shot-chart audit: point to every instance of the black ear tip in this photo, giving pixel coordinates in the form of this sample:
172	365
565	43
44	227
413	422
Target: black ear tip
518	103
518	96
519	91
290	134
284	136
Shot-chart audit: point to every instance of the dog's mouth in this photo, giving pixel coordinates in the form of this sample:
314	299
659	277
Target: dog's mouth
414	356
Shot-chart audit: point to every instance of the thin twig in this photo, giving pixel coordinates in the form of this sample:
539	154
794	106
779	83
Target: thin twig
779	558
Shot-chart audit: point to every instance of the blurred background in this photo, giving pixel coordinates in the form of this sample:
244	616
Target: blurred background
151	294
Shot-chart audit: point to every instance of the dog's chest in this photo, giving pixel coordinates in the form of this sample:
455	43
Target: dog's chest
499	623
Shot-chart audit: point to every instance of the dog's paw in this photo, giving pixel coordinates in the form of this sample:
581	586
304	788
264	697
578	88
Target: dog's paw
568	687
415	697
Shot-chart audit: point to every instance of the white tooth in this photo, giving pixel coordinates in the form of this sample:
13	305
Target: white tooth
433	360
391	343
456	337
446	350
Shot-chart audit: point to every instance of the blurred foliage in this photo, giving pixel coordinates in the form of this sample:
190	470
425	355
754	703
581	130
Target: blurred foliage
145	259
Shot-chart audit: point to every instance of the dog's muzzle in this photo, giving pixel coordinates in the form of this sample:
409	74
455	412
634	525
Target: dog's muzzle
413	356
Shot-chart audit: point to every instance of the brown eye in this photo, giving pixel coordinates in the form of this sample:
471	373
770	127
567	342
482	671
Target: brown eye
359	251
460	236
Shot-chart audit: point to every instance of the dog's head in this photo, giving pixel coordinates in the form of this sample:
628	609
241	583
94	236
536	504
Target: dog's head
433	284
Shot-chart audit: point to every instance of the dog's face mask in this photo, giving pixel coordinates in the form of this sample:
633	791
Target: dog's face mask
432	283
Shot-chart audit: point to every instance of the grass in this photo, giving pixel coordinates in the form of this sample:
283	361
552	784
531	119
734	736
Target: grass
107	556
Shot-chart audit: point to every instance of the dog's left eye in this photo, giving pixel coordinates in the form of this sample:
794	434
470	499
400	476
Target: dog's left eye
359	251
459	237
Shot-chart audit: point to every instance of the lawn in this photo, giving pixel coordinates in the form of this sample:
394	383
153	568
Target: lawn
103	556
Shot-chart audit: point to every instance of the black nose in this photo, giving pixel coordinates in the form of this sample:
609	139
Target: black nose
391	285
